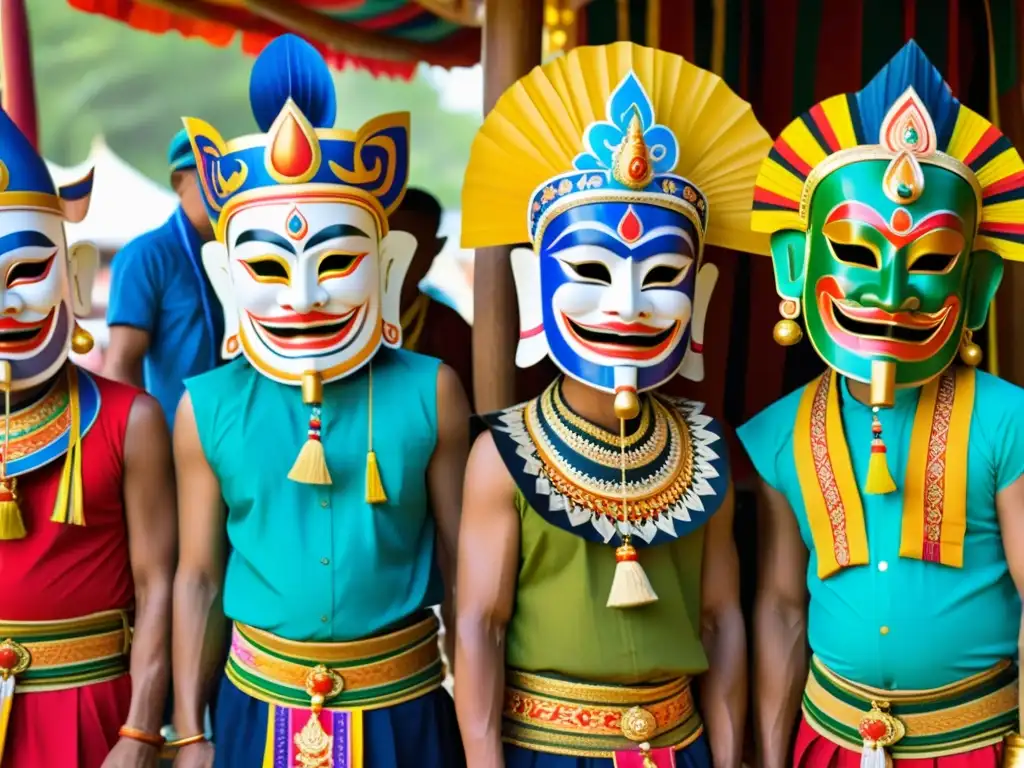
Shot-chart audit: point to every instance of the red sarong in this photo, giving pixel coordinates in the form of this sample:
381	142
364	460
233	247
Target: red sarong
74	728
815	751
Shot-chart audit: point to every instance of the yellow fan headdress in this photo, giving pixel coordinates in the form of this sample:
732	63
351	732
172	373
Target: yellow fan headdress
615	123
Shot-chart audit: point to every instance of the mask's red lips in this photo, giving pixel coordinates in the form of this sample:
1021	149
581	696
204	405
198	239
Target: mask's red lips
637	342
307	331
17	337
907	336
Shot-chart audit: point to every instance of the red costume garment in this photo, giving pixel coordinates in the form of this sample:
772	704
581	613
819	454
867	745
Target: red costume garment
815	751
66	571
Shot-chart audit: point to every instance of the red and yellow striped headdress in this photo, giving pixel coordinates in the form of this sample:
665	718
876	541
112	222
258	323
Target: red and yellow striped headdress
907	109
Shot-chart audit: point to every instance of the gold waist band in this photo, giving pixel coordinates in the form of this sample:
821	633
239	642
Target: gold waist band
54	655
968	714
367	674
566	717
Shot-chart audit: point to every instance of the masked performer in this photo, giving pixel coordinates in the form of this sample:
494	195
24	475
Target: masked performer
892	489
598	573
338	455
87	529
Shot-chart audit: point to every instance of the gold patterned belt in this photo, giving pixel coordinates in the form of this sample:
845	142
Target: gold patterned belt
372	673
968	714
566	717
56	655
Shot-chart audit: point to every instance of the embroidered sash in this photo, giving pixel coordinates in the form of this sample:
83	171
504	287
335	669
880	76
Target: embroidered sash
934	488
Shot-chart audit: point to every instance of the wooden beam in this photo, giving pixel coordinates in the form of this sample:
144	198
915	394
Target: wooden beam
512	47
19	91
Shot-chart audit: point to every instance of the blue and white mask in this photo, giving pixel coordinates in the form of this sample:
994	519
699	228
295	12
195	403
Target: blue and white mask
611	290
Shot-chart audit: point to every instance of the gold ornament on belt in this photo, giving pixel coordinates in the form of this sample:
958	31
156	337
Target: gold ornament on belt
879	729
14	658
639	726
313	742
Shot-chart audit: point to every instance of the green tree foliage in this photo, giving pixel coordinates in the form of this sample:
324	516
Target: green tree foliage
95	77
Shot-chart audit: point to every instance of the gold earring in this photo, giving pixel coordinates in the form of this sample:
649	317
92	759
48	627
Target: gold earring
81	340
787	331
970	352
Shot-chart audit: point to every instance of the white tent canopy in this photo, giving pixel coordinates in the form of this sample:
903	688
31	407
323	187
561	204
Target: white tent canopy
125	203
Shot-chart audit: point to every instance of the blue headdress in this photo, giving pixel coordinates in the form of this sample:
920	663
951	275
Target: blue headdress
299	153
25	180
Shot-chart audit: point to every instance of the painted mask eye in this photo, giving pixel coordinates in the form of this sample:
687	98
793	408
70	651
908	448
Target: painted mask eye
931	263
590	272
335	265
24	272
855	254
663	276
267	269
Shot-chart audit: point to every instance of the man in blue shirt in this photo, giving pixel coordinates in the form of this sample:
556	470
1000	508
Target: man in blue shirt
165	321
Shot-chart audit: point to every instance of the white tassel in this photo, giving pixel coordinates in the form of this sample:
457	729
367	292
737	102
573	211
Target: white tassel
873	756
630	586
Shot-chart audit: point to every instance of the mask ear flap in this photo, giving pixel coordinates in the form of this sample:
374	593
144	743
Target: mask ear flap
396	252
693	361
533	344
215	262
84	261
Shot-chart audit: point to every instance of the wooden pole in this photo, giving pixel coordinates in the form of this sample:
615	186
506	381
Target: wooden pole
512	47
19	93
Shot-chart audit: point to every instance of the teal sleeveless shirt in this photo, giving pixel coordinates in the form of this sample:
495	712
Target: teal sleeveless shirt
318	563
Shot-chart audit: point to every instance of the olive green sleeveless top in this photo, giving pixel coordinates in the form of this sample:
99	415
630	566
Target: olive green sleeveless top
561	625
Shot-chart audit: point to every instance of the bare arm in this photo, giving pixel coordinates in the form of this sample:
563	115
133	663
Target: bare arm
199	624
124	355
487	574
152	545
444	481
724	687
780	628
1010	508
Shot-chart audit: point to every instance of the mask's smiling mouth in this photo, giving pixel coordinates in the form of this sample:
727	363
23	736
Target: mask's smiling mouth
629	341
907	336
306	332
18	337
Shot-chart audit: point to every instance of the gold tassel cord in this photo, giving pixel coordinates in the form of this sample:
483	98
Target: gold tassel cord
879	480
12	525
69	506
630	585
374	485
310	465
883	393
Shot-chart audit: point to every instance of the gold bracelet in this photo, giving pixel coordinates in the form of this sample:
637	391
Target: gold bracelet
178	743
136	734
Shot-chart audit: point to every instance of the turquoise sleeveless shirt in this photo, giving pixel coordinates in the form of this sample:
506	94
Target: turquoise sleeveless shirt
899	623
318	563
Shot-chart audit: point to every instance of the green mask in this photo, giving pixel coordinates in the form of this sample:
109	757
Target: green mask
890	212
886	270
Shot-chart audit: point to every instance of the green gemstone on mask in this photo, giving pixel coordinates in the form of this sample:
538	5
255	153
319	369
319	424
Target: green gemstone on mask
910	135
904	191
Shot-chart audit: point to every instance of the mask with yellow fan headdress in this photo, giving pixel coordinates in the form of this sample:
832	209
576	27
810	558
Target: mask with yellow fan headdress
627	160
